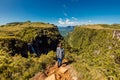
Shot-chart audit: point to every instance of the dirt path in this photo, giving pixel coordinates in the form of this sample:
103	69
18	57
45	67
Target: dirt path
65	72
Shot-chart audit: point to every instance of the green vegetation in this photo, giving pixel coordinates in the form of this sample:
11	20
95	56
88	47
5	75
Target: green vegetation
96	54
15	29
14	40
113	26
20	68
16	36
102	26
92	49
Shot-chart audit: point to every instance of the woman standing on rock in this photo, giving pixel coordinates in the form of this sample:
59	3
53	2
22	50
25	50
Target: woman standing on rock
60	54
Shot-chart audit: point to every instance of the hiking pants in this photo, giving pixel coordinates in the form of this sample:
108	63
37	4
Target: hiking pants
59	62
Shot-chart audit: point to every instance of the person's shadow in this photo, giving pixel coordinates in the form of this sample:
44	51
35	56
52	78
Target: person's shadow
66	62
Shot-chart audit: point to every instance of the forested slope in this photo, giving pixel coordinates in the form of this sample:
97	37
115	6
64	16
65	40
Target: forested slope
96	52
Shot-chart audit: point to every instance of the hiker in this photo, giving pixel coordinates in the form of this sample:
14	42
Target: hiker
60	54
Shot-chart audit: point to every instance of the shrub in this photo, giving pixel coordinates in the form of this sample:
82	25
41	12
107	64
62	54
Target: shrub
18	67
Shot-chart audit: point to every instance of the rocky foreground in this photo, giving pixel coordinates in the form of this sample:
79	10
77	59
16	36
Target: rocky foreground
65	72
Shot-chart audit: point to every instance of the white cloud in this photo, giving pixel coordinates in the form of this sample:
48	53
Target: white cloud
72	22
60	21
67	22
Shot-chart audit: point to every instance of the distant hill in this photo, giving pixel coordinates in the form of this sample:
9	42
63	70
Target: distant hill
64	30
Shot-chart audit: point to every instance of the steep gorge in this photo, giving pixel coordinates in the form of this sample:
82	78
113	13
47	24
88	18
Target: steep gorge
29	37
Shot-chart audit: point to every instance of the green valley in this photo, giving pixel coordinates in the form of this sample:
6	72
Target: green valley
27	48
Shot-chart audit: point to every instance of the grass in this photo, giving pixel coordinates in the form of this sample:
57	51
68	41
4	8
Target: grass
101	26
12	29
28	31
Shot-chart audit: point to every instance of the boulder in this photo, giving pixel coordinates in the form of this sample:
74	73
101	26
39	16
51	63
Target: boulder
51	77
63	69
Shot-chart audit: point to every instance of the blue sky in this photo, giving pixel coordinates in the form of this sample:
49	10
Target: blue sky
60	12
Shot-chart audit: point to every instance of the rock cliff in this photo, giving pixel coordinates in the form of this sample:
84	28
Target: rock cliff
33	37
